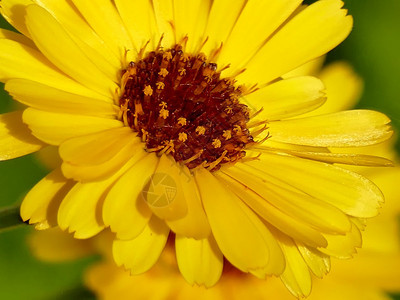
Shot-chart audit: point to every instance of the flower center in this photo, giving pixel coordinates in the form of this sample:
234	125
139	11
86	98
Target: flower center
179	105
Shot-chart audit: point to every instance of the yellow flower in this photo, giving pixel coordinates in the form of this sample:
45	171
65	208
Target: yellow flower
268	199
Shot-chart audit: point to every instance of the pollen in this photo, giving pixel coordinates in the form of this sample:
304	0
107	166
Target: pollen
148	91
182	137
168	90
182	121
200	130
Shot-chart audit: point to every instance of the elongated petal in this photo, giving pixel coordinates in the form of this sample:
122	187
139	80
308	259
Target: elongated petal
95	148
342	129
81	210
140	254
314	212
103	17
15	137
125	210
55	128
340	158
14	12
190	18
21	61
314	31
66	14
47	98
164	193
200	261
43	28
103	170
257	21
164	13
348	191
40	205
343	246
222	19
17	37
242	237
296	276
318	262
195	223
287	98
287	224
140	21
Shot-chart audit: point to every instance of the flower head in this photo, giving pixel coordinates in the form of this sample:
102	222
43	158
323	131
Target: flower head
244	177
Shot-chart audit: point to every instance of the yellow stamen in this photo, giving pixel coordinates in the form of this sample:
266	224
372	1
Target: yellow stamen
227	134
163	72
182	121
148	91
164	113
216	143
200	130
182	137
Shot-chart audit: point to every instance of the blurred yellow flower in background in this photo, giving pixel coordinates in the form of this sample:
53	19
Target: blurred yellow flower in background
176	116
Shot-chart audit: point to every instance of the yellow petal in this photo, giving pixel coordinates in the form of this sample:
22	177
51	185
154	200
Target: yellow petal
14	12
296	276
190	18
139	19
53	245
96	148
221	20
140	254
55	128
125	210
199	261
41	204
340	158
43	28
343	246
195	223
15	137
287	98
164	13
318	262
343	88
93	172
103	17
311	68
282	221
256	23
11	35
164	193
20	61
68	16
348	191
342	129
47	98
243	239
314	31
314	212
80	211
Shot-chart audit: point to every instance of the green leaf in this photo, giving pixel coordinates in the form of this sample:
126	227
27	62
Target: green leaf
10	218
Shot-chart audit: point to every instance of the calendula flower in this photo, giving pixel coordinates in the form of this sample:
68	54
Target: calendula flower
173	116
373	272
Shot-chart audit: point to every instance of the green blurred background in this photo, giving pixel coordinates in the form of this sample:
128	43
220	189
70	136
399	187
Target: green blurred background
372	48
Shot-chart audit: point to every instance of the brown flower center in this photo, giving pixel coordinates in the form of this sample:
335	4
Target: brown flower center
179	105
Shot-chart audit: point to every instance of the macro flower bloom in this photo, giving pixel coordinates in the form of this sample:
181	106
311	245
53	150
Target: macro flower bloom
174	116
373	272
